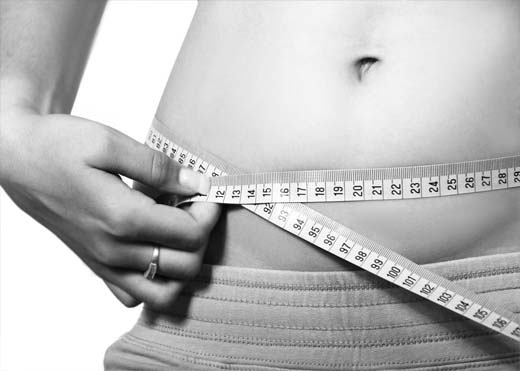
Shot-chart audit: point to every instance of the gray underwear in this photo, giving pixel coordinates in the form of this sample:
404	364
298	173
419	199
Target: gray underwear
235	318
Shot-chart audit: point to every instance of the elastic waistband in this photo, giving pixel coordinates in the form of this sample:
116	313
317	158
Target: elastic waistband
469	269
236	290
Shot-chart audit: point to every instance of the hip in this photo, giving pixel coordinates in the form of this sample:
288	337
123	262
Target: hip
257	319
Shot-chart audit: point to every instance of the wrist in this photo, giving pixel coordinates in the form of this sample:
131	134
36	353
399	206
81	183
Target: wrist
13	129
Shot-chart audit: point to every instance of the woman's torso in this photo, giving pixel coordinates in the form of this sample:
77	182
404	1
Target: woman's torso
278	85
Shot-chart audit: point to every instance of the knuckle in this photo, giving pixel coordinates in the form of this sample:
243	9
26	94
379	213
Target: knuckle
196	238
120	223
159	169
104	143
106	256
193	243
192	266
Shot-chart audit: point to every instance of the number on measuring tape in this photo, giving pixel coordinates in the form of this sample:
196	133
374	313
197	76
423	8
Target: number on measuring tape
295	223
374	189
449	185
335	191
467	183
354	190
393	189
431	186
311	231
499	179
316	192
342	247
408	279
514	176
412	188
374	263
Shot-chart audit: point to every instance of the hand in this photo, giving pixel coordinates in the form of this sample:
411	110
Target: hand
64	172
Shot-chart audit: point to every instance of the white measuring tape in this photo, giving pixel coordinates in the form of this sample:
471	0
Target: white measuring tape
397	183
276	197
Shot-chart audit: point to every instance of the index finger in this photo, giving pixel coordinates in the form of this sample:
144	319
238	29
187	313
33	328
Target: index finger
153	168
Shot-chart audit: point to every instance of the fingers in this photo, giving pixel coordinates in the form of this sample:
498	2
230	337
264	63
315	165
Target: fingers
186	229
124	275
122	296
129	215
174	264
205	213
153	168
159	294
136	223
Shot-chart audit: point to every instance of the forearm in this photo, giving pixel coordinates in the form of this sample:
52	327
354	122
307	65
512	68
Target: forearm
44	48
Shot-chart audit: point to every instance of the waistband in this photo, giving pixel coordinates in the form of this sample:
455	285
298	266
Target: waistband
330	320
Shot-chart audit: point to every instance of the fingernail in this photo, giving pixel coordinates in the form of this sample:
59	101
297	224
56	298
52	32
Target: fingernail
195	181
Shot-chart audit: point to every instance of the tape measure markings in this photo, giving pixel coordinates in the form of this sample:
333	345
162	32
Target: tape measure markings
341	241
396	183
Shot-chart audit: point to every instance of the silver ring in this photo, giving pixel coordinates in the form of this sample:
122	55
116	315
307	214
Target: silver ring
153	266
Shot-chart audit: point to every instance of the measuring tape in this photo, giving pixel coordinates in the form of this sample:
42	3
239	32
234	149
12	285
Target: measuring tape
397	183
276	197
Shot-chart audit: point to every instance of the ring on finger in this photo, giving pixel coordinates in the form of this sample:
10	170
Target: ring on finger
154	264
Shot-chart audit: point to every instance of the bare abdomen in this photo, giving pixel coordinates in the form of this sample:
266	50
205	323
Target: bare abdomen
275	88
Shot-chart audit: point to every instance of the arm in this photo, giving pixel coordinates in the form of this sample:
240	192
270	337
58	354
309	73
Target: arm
64	170
45	46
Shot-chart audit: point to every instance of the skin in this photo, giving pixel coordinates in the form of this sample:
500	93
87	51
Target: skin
79	195
438	88
289	85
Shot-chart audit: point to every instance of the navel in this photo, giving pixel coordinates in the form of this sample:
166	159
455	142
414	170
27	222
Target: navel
362	66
